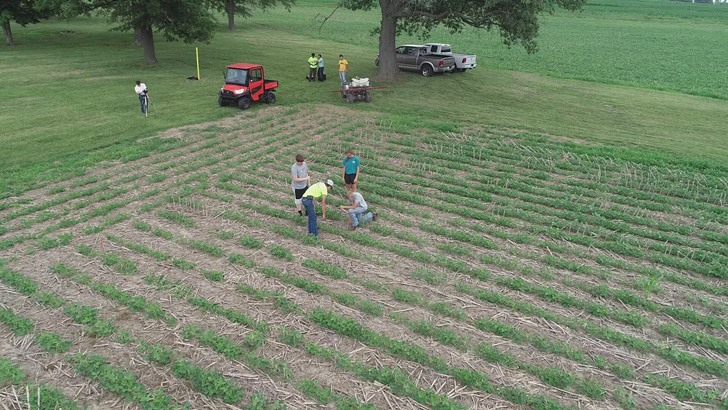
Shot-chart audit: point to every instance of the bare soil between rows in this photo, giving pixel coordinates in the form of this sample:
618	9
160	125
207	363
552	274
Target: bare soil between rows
210	176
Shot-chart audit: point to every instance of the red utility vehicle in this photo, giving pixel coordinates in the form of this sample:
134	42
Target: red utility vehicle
245	83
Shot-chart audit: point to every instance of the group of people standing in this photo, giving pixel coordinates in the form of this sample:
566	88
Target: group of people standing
316	68
305	193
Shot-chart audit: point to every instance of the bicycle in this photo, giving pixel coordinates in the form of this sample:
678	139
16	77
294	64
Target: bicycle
145	104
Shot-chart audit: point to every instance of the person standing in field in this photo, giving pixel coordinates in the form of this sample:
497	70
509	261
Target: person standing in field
343	68
315	191
321	68
300	177
350	174
357	210
141	91
312	67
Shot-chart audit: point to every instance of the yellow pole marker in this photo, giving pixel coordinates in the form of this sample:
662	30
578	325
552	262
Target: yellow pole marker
197	56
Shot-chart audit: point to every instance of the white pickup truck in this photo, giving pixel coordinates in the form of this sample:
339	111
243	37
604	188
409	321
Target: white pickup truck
462	61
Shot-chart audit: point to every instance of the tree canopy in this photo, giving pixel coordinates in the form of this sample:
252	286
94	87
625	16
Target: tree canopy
186	20
23	12
517	21
244	8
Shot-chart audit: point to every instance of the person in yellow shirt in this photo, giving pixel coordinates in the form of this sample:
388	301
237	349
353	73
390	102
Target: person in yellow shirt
317	190
343	68
312	67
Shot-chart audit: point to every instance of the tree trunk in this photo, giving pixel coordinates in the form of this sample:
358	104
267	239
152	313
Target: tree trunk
147	37
8	34
230	9
387	36
137	36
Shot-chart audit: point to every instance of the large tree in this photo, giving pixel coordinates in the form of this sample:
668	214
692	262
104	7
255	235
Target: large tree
244	8
186	20
23	12
517	21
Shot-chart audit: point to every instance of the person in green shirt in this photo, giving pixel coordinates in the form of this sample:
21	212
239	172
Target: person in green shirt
312	67
315	191
350	174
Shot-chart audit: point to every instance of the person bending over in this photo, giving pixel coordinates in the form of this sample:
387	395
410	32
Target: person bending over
316	191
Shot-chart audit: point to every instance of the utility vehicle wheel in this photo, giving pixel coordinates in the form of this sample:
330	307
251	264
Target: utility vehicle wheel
367	97
244	103
271	98
349	98
426	70
376	61
221	102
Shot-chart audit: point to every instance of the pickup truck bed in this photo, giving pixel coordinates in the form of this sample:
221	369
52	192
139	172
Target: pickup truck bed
462	61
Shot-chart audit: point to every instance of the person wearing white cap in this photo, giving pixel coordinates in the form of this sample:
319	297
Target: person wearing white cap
317	190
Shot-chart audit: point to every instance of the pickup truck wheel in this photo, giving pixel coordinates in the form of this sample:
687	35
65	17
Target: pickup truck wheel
426	70
244	103
271	98
221	102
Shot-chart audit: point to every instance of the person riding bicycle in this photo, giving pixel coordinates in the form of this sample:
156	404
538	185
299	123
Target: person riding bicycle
141	90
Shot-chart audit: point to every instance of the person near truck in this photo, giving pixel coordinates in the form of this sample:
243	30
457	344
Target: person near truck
141	91
357	210
301	179
312	67
321	76
315	191
350	174
343	68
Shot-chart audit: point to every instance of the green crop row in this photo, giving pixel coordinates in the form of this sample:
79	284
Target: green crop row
235	351
415	353
17	324
110	259
668	352
539	186
550	375
32	396
242	219
134	302
157	255
121	382
535	215
611	335
228	313
649	180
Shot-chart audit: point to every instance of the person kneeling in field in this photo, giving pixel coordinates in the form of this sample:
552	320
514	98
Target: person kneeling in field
356	210
317	190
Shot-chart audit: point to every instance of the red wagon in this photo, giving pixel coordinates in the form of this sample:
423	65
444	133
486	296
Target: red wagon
358	89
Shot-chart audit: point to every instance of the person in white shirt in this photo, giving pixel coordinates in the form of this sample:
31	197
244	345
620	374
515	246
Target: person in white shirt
357	210
141	91
301	179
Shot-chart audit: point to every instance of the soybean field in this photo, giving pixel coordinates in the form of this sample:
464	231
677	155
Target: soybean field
505	270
